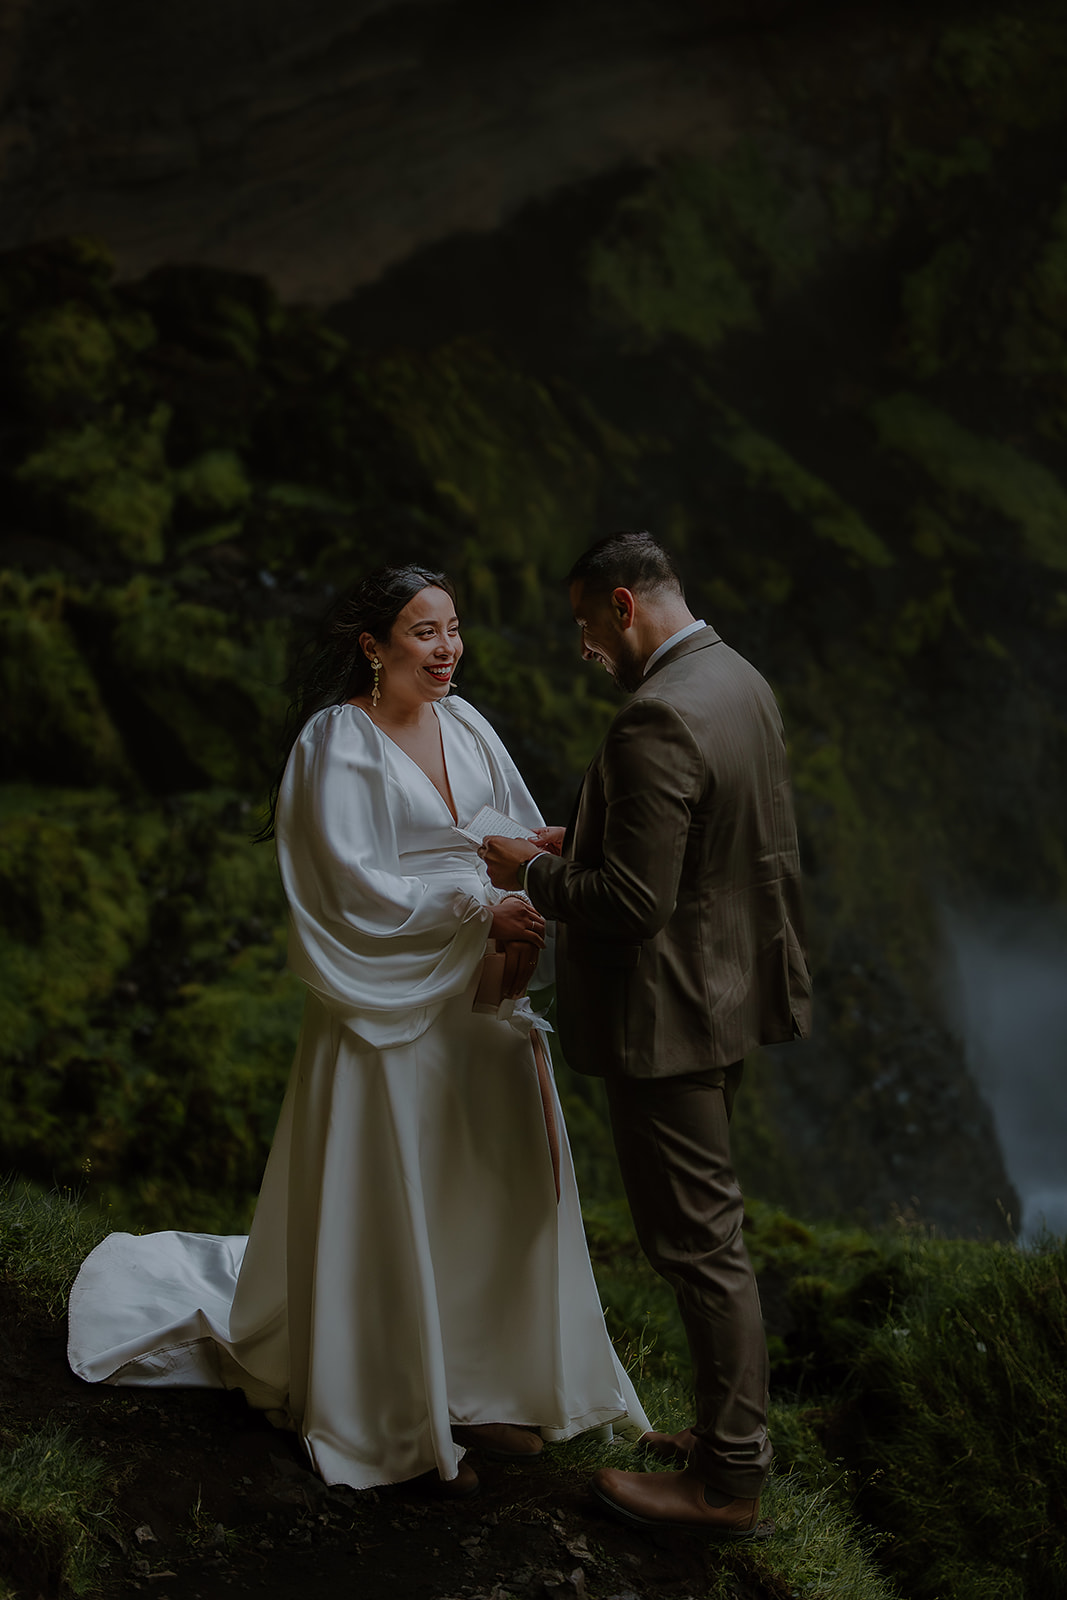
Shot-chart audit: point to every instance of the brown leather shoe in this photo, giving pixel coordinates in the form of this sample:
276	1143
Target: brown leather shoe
462	1487
677	1500
501	1441
674	1448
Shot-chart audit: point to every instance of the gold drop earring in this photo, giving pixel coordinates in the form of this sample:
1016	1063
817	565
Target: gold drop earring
376	693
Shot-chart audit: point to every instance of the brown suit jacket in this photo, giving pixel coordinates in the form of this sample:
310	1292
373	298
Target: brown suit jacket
680	940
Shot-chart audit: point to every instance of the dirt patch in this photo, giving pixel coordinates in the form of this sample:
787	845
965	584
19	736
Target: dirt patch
212	1500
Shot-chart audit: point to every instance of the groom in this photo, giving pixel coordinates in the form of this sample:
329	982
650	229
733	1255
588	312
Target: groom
676	889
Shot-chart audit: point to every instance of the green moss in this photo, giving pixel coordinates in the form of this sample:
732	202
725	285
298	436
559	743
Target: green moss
869	787
1046	284
237	328
934	537
499	450
770	468
209	1083
853	210
923	619
955	1375
146	1020
307	497
556	717
821	774
65	353
924	170
25	273
1010	64
213	683
695	251
1035	340
58	726
927	300
227	318
74	911
992	474
216	482
670	281
110	481
201	688
133	330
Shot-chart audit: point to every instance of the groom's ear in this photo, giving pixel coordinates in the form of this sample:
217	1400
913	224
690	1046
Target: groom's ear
623	606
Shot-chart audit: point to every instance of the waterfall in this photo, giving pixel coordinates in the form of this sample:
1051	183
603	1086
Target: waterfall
1007	992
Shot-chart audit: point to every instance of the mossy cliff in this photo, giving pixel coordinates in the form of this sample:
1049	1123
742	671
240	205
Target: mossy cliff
816	367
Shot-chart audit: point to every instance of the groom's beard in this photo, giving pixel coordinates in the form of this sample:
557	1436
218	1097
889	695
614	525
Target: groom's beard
627	670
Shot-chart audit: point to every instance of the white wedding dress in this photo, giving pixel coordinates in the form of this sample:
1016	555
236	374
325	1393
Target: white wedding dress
408	1267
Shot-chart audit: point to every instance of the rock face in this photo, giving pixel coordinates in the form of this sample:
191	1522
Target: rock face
319	143
827	362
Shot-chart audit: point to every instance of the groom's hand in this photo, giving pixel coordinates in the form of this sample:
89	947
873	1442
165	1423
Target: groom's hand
503	856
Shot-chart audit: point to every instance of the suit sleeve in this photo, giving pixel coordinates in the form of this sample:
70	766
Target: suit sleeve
653	775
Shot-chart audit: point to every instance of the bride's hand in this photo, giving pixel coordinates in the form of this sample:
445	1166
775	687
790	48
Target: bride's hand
550	839
520	960
515	919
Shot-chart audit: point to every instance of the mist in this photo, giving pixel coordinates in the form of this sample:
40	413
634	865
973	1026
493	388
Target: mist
1007	989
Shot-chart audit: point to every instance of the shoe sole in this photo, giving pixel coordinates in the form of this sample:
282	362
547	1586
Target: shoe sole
706	1531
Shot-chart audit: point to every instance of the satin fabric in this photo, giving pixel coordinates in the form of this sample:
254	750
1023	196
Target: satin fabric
408	1266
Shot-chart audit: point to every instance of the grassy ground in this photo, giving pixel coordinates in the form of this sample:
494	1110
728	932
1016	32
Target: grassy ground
917	1386
55	1501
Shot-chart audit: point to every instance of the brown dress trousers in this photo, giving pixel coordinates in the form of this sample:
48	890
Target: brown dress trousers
673	1145
680	948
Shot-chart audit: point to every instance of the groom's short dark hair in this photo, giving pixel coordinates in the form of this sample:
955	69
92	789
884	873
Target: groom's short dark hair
631	561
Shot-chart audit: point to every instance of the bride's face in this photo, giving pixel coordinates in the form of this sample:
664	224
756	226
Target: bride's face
422	650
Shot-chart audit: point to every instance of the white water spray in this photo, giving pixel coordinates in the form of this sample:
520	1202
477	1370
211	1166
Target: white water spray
1008	992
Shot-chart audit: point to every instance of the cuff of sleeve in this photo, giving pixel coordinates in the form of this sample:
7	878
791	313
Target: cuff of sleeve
524	867
468	908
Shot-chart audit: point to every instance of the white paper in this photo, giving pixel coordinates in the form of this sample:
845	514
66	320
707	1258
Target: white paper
489	821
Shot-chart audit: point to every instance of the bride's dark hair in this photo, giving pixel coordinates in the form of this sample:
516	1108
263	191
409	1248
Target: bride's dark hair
331	667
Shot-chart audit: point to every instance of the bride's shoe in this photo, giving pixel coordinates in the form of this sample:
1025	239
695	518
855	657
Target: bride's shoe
500	1441
462	1487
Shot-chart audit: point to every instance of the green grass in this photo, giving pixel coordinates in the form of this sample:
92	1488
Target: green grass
953	1362
917	1405
44	1238
919	1398
54	1504
819	1548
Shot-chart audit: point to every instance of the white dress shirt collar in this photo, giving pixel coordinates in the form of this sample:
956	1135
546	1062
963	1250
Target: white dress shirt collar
675	638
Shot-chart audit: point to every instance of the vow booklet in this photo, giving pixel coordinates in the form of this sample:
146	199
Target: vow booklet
489	821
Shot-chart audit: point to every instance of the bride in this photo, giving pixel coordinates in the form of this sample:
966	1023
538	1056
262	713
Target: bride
416	1280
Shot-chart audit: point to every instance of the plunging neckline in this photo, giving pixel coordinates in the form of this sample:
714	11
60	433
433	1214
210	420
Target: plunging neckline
448	804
